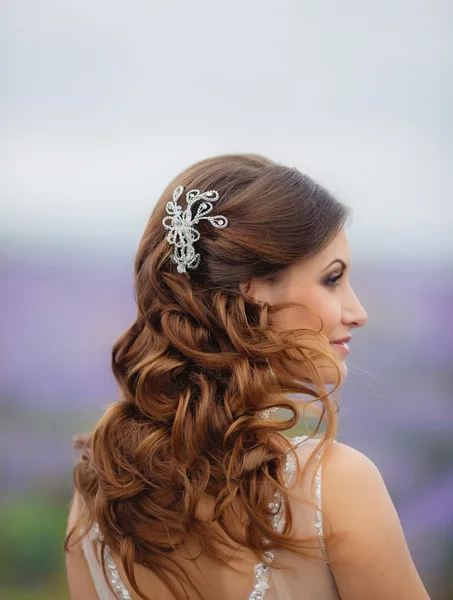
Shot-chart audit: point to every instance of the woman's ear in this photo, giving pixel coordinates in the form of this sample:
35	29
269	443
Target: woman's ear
257	290
244	287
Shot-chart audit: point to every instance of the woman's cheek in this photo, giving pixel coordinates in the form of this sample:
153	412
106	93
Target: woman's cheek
331	317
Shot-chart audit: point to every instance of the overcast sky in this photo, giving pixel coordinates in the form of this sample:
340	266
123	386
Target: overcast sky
104	101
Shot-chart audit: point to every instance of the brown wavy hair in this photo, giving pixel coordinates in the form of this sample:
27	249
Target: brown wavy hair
193	375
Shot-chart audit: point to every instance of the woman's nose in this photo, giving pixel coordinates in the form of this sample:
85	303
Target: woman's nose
355	315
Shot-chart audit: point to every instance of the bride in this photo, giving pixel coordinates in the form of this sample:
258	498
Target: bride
188	488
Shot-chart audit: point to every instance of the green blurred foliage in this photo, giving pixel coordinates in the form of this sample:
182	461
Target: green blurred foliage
31	553
55	589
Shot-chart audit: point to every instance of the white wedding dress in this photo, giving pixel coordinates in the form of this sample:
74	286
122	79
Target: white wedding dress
307	580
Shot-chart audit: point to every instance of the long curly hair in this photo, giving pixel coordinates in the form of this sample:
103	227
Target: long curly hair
193	377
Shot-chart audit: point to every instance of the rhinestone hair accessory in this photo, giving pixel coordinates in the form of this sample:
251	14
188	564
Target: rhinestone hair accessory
180	223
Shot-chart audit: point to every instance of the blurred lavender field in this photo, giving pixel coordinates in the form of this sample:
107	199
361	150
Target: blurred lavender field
62	317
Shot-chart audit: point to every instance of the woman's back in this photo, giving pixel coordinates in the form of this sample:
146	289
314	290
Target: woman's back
365	557
244	577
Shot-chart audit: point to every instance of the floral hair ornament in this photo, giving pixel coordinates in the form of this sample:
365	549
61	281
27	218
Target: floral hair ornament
180	223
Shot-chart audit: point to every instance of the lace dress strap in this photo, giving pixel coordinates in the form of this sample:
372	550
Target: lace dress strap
93	560
278	522
319	522
278	519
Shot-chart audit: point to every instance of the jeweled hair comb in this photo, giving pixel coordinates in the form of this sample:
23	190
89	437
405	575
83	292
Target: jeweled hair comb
180	223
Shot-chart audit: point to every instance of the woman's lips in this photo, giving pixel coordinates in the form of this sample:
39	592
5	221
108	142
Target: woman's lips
341	347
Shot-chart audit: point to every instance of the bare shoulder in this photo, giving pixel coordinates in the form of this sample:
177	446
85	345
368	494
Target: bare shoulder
367	548
353	488
342	461
348	455
339	460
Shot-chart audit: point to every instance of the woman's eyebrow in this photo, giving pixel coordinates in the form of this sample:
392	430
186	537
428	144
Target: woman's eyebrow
343	264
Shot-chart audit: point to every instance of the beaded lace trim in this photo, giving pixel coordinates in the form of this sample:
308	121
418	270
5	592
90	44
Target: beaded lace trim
112	572
278	520
318	522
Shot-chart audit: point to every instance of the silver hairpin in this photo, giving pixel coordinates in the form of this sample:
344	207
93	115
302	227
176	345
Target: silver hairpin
182	233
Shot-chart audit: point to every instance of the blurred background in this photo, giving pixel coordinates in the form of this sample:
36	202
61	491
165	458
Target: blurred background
102	104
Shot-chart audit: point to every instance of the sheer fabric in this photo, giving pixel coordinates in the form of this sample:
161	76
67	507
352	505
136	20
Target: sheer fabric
307	579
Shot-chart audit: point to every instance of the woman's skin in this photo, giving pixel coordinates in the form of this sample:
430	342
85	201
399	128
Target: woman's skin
321	283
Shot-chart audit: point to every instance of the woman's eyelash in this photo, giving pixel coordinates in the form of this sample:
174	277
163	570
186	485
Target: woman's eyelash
334	279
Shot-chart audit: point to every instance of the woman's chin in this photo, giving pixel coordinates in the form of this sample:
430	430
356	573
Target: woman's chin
343	369
330	374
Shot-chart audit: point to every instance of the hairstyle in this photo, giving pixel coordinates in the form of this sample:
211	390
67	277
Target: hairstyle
193	375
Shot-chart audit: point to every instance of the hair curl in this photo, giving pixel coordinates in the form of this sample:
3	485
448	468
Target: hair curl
193	376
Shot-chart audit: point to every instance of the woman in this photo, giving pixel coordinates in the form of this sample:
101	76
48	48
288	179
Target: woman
188	487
